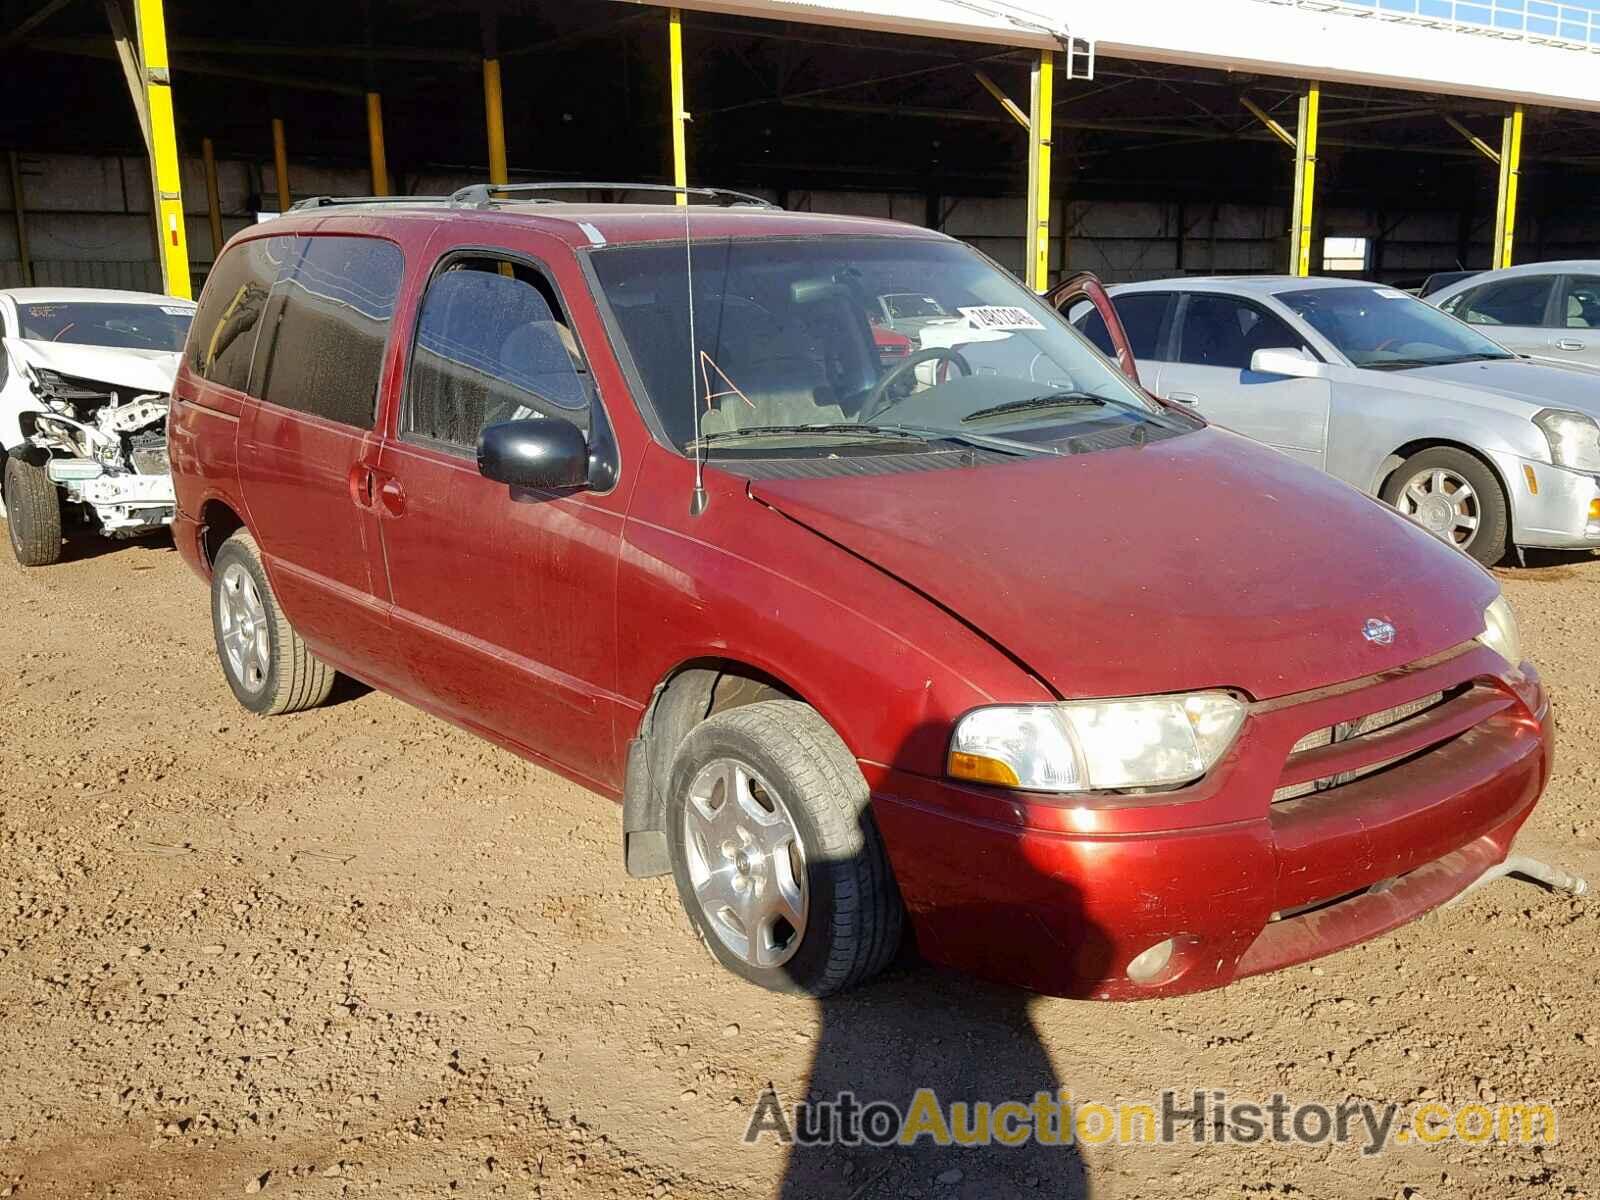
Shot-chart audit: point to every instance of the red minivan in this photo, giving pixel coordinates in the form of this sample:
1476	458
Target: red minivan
979	638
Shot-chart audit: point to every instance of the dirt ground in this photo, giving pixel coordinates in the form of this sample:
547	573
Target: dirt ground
356	952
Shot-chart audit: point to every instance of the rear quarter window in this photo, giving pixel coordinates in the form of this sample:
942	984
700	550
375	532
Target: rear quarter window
337	302
222	339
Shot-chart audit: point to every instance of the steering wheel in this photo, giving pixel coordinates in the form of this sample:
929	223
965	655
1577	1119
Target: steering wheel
878	399
1384	345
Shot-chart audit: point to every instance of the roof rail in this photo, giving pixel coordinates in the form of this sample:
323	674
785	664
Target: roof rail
311	202
482	195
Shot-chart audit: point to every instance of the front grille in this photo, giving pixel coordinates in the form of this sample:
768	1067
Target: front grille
1361	727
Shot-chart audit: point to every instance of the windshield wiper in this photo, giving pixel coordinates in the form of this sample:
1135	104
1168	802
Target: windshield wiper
1049	400
896	432
1411	364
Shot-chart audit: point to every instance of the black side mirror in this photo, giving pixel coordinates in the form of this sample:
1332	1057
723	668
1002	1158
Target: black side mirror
549	453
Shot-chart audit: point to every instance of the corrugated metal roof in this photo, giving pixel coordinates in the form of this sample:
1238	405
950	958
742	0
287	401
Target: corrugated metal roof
962	20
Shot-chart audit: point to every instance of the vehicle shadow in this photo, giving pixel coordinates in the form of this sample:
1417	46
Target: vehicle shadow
968	1042
82	545
922	1028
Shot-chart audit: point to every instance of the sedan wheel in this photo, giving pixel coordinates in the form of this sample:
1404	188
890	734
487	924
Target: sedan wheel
1444	504
242	629
1455	496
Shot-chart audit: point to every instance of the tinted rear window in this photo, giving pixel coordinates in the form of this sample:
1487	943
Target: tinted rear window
223	336
337	302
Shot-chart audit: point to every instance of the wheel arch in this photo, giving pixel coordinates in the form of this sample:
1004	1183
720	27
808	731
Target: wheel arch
218	522
686	695
1398	456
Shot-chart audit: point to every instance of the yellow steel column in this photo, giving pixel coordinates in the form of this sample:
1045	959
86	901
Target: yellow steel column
380	162
680	149
1505	217
208	152
1305	182
164	171
494	114
1036	268
280	165
18	210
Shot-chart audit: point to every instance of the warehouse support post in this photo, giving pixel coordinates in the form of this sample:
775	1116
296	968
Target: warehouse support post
493	107
151	35
1041	96
1305	182
1505	215
680	148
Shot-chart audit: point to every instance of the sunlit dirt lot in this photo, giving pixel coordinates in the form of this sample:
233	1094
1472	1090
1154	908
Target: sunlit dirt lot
356	952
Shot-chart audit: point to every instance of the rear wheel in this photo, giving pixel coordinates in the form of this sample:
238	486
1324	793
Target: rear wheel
266	664
1455	497
775	854
33	512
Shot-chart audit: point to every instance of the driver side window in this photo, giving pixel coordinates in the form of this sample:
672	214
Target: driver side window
492	345
1222	331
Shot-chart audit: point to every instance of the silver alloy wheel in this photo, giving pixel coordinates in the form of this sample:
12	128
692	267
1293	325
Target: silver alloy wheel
242	623
746	863
1443	503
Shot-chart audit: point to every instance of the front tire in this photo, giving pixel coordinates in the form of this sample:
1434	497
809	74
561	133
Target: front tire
266	664
776	857
1455	497
33	513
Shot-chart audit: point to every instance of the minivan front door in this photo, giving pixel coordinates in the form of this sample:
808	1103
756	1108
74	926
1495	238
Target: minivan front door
1217	339
504	598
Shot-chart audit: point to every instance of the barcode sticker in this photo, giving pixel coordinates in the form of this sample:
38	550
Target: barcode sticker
175	310
1000	317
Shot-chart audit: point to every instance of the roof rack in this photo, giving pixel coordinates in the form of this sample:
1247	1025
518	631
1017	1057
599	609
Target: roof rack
482	195
311	202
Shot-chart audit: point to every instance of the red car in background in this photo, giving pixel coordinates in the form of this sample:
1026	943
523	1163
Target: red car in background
980	637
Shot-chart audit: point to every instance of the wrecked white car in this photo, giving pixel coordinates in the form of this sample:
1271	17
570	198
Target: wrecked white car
87	375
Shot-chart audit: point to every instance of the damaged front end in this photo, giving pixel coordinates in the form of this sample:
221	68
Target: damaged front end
106	444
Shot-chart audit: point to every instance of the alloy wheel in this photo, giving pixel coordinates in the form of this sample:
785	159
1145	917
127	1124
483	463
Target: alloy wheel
242	621
746	863
1444	504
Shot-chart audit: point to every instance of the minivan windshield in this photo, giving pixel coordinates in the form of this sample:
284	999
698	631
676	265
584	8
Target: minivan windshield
790	356
97	323
1386	329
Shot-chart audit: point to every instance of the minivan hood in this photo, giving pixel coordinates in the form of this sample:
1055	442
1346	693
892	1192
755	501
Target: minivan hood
1503	384
141	370
1204	560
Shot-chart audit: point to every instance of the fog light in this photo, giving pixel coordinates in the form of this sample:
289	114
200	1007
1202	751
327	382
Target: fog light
1148	966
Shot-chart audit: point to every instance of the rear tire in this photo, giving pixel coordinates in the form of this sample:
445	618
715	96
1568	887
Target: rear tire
776	857
33	512
1442	489
266	664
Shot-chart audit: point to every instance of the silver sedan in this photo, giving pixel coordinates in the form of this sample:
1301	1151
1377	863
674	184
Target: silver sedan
1548	310
1485	448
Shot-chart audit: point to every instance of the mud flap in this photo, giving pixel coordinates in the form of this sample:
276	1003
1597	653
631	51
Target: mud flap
644	846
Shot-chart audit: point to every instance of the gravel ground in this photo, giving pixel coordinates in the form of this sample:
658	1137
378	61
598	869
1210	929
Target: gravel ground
356	952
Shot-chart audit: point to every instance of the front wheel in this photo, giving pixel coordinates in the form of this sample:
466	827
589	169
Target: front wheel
33	513
776	857
1455	497
266	664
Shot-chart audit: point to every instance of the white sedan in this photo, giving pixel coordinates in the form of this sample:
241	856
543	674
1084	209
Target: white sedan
84	385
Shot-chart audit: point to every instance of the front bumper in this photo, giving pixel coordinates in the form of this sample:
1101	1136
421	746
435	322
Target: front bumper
125	503
1060	898
1557	515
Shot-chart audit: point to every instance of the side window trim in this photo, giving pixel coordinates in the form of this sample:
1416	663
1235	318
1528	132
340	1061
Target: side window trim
604	454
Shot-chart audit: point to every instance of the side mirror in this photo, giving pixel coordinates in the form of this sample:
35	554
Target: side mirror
1295	363
549	454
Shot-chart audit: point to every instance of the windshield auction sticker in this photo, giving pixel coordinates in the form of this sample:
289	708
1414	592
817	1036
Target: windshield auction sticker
1000	317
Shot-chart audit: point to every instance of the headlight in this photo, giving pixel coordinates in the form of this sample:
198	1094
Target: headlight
1574	438
1500	631
1095	745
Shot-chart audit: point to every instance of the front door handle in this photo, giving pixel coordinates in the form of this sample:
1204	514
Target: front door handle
1184	397
393	497
1568	344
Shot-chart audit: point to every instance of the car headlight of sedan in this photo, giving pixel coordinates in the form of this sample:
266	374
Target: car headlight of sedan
1500	631
1096	745
1573	436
